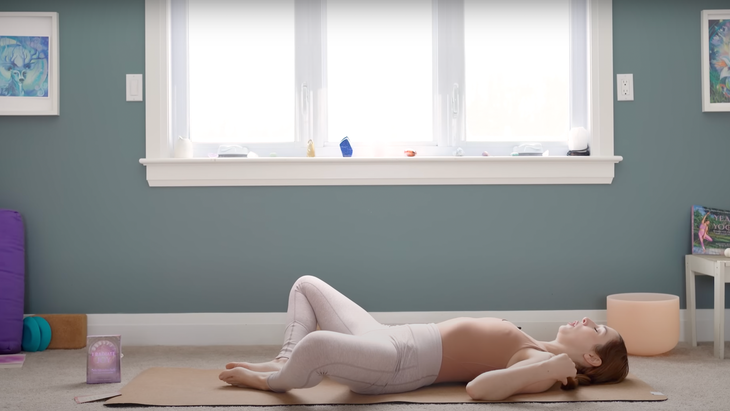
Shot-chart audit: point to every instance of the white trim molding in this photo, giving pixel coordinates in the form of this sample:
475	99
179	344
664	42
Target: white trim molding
201	329
157	73
304	171
164	171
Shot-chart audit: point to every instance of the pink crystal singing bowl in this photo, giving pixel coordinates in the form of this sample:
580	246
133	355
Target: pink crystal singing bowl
648	322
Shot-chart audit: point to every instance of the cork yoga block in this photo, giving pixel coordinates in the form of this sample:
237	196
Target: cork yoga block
68	331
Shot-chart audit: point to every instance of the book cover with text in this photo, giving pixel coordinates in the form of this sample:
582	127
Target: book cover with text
710	230
103	364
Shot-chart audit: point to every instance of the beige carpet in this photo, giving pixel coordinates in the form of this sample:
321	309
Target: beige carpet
691	377
194	387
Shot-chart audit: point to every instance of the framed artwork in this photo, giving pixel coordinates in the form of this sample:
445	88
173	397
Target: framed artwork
716	60
29	64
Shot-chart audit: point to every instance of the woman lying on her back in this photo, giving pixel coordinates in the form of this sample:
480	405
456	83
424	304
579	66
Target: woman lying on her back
492	355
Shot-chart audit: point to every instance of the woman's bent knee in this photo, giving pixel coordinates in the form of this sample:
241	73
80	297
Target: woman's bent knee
320	347
306	279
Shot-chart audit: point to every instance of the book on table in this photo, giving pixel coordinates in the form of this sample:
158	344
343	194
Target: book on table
710	230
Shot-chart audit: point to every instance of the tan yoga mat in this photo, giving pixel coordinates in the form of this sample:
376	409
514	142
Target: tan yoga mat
195	387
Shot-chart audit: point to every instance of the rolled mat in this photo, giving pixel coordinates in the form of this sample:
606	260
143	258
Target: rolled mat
196	387
31	335
36	334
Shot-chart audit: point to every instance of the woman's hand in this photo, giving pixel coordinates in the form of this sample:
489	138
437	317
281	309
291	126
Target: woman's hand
561	367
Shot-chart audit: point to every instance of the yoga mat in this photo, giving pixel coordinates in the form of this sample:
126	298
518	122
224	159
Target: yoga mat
196	387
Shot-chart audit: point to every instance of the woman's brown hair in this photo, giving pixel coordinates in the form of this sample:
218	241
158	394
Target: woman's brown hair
613	369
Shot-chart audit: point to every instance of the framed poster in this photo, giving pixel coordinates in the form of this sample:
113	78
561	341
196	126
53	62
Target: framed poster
29	64
716	60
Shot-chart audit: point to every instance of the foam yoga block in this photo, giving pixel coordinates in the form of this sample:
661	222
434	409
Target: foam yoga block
68	330
12	281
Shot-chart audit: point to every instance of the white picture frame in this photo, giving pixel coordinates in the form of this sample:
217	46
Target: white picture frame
715	67
29	53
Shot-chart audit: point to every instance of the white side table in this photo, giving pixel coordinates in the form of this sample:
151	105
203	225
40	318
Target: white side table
719	268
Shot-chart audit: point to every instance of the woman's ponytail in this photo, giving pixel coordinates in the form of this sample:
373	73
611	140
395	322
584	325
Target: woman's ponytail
573	383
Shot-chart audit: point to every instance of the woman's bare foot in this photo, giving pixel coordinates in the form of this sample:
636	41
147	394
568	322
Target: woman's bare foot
273	365
242	377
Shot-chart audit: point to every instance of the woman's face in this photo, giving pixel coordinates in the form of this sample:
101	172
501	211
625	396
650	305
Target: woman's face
582	336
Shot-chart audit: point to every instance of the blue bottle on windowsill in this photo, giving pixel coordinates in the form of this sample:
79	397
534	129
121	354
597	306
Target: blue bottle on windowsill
346	147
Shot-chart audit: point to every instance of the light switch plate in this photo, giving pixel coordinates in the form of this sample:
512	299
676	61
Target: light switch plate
134	87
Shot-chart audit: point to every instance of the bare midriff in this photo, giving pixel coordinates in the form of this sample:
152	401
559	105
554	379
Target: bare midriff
472	346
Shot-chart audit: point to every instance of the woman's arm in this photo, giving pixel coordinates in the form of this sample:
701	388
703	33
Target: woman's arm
535	374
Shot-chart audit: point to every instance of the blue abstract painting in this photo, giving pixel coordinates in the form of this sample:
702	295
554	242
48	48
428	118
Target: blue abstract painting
24	66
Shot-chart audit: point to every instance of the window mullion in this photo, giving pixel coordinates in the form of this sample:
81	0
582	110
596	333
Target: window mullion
578	64
310	103
180	81
449	113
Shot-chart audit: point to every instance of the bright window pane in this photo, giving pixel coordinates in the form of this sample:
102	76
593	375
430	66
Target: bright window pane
517	70
379	70
241	57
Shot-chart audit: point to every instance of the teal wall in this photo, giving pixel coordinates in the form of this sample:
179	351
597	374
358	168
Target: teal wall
99	240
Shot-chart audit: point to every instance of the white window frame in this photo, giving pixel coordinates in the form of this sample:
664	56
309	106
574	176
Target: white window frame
165	171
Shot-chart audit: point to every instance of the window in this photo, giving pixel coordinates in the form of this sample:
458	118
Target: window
238	71
438	98
518	75
379	82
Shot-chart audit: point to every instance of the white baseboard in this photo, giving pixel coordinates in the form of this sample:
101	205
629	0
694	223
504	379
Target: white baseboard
268	328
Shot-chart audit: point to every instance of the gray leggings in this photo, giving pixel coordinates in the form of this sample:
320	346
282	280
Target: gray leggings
352	347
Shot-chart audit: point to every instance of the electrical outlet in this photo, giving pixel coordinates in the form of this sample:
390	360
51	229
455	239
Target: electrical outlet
625	87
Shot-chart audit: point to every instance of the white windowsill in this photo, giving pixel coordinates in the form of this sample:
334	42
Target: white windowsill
326	171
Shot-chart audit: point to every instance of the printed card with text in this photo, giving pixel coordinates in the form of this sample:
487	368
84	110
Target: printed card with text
103	364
